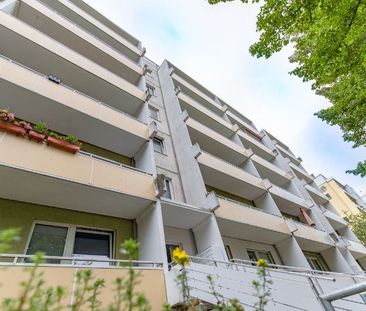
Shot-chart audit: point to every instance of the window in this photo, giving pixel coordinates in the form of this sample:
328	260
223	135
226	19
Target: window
50	240
255	255
154	113
169	190
228	252
70	240
316	261
151	89
158	144
169	251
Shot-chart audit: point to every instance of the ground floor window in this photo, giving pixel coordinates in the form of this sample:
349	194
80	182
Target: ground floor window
316	261
255	255
70	241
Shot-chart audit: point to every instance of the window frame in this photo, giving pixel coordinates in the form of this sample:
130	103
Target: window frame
70	236
317	257
162	143
169	184
152	88
267	252
157	110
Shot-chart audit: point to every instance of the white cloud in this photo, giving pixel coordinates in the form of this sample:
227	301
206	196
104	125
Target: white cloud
211	43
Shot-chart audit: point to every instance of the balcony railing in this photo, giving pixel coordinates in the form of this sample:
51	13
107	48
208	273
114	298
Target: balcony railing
84	30
70	88
247	206
87	261
110	74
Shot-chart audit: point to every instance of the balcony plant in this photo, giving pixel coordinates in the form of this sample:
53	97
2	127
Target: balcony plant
8	123
68	143
38	132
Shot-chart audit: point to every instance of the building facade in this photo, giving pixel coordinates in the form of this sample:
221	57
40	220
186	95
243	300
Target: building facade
163	160
343	197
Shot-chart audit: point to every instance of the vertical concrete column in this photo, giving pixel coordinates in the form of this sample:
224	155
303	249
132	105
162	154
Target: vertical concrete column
208	239
291	253
150	234
191	177
144	158
336	261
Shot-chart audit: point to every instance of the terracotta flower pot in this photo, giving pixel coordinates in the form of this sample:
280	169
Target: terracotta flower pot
61	144
38	137
12	128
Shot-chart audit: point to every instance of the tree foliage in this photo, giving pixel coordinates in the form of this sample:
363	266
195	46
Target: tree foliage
329	40
358	225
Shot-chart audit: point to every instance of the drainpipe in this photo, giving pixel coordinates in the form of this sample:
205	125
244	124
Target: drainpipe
341	293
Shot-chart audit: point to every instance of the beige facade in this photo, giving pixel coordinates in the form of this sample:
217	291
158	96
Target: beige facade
344	203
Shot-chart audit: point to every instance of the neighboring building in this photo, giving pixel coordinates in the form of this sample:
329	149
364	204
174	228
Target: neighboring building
163	160
343	197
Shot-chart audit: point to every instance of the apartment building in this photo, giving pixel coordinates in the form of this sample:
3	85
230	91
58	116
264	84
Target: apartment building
343	197
163	160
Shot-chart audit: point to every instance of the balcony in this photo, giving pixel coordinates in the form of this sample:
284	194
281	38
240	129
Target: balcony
215	143
312	239
316	195
205	116
257	146
227	177
301	173
286	200
195	93
79	182
287	154
242	122
336	221
250	223
63	30
357	249
152	280
31	48
267	170
33	98
91	21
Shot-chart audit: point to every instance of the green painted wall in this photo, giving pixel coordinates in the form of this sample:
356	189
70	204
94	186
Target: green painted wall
229	195
22	215
107	154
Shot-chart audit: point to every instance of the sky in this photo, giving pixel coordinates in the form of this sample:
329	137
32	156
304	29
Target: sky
210	43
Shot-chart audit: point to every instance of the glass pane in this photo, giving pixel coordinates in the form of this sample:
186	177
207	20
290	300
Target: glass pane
92	244
48	239
168	193
252	256
158	145
267	256
228	252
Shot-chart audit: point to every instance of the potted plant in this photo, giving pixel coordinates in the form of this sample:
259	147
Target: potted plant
8	123
68	143
38	132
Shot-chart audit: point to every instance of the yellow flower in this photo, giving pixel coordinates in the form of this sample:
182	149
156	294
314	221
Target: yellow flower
262	263
180	257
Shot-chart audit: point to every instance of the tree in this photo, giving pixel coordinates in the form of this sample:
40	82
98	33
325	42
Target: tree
358	225
329	40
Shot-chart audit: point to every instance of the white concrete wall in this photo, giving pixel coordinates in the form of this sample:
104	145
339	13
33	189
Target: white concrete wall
181	236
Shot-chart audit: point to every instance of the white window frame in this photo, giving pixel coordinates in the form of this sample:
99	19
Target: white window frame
157	113
152	88
70	236
169	184
162	144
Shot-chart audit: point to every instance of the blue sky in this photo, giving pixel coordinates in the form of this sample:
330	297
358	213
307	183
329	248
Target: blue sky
211	43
